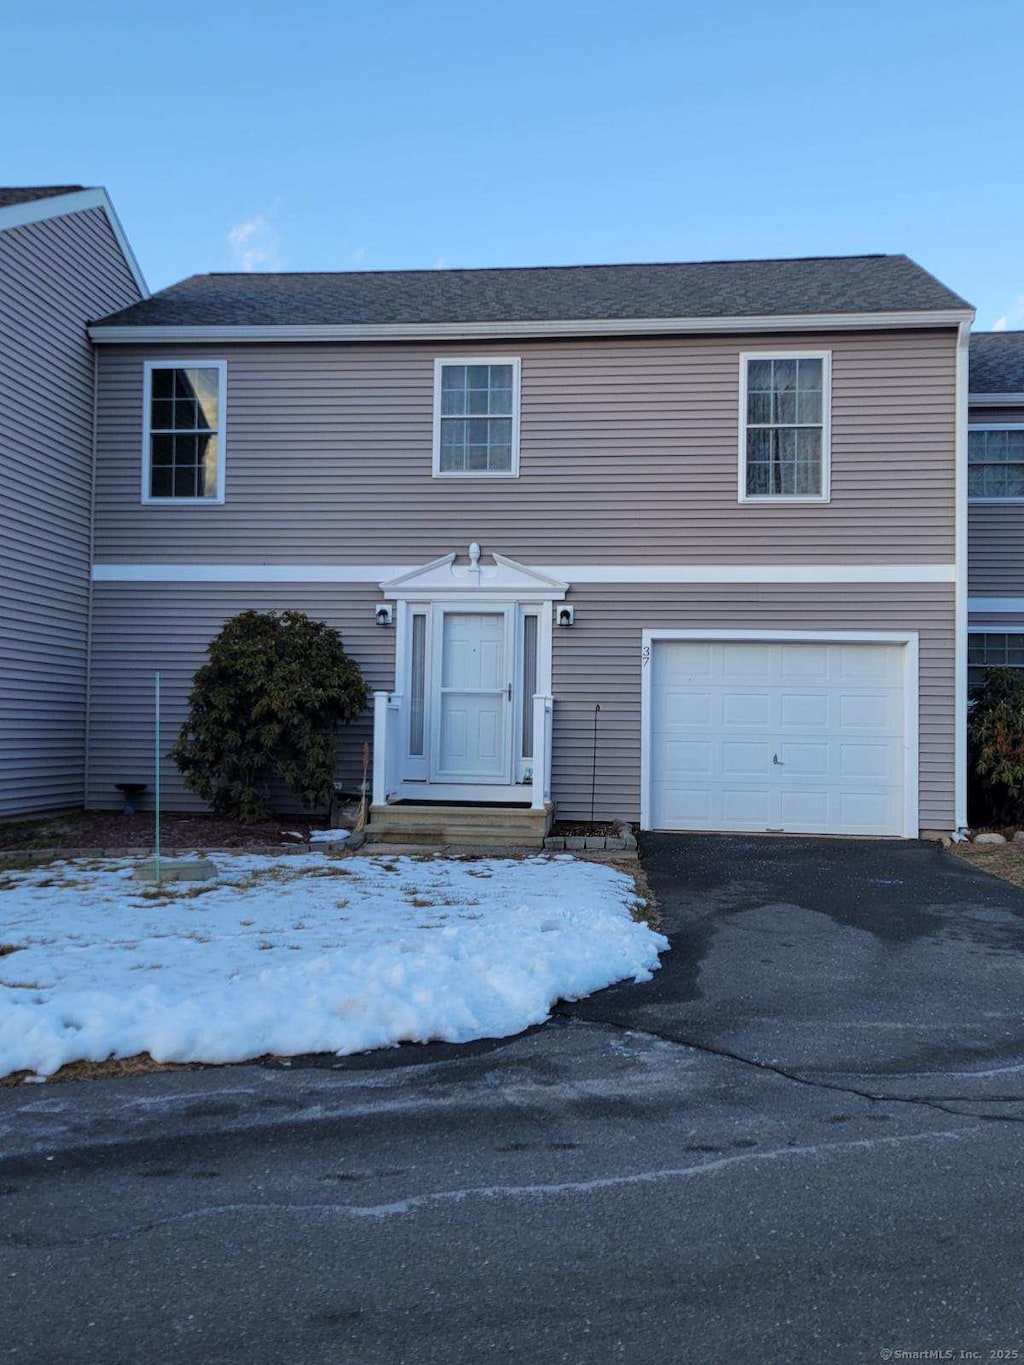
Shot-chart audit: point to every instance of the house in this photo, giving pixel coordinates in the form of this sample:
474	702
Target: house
63	260
996	503
683	544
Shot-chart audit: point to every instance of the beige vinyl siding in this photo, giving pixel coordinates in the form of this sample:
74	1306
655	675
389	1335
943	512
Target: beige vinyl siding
139	629
629	453
995	531
54	277
597	661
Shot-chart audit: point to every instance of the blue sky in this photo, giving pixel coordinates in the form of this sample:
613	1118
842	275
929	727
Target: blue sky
323	136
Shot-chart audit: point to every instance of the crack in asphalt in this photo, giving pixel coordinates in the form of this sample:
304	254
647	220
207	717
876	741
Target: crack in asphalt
941	1103
414	1203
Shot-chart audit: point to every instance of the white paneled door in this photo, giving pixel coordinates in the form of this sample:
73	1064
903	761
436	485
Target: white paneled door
473	687
776	736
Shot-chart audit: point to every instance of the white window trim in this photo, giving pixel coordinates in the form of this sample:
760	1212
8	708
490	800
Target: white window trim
771	499
221	366
910	641
439	364
996	628
992	426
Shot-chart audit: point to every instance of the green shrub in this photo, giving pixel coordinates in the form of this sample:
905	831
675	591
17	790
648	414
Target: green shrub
995	736
268	705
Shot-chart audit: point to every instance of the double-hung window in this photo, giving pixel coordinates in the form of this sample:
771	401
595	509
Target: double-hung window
995	463
476	418
785	398
992	649
183	431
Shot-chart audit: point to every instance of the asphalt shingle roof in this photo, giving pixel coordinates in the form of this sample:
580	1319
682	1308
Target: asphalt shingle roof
836	284
997	362
25	194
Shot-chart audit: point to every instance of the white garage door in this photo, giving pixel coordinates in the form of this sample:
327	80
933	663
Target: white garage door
799	738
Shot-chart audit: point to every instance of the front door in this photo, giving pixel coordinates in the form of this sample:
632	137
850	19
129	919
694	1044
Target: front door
472	715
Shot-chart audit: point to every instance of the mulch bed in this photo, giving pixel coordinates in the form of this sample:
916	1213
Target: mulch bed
574	829
112	830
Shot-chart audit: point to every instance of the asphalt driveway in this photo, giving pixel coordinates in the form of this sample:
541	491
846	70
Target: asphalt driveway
890	966
799	1142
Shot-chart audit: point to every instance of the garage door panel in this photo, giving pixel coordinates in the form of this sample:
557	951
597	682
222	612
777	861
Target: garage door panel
869	762
805	760
749	662
871	711
803	809
685	807
864	812
746	709
686	708
689	759
689	662
804	661
804	710
837	735
859	663
744	758
747	807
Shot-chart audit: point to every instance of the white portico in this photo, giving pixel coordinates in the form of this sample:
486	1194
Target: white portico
469	719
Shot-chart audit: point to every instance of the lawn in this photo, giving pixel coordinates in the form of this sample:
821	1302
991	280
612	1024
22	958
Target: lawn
292	955
1002	860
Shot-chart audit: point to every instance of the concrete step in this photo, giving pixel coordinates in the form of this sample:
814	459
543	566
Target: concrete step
446	838
492	826
413	815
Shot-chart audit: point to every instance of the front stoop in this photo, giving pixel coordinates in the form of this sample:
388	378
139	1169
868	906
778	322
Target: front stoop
435	824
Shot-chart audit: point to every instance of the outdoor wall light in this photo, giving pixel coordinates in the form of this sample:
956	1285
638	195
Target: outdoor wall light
384	615
565	615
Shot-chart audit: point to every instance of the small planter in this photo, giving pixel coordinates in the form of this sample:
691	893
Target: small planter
131	792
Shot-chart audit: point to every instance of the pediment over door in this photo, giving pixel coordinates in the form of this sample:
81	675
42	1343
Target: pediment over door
500	579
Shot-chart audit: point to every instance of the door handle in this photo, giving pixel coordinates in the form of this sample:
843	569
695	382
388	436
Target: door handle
508	690
777	761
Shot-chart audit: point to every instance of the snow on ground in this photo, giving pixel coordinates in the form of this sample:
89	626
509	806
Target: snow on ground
302	954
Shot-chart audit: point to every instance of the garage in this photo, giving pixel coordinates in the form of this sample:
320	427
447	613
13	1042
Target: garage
793	733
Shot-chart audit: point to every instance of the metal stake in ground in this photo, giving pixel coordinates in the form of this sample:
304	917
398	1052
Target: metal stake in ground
156	780
593	770
189	870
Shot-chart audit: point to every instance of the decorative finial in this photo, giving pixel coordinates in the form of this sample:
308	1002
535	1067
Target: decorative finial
474	555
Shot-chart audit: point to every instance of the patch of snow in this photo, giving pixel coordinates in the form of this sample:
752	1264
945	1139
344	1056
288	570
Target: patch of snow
294	955
328	836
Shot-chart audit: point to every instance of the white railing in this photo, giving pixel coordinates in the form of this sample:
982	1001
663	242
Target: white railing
387	744
543	709
388	740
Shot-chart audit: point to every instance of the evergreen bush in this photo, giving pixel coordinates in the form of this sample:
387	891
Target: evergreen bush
268	705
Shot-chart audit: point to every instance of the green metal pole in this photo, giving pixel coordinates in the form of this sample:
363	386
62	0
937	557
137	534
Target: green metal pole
156	757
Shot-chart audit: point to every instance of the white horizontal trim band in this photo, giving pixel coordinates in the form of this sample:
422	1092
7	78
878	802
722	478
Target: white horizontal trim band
995	604
995	400
570	573
460	331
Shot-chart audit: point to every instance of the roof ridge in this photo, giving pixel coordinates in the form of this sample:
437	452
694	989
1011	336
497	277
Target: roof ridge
578	265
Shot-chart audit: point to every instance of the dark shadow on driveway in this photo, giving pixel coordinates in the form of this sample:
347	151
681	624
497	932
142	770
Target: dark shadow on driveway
836	957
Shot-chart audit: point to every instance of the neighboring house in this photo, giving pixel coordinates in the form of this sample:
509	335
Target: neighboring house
722	502
996	502
63	260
